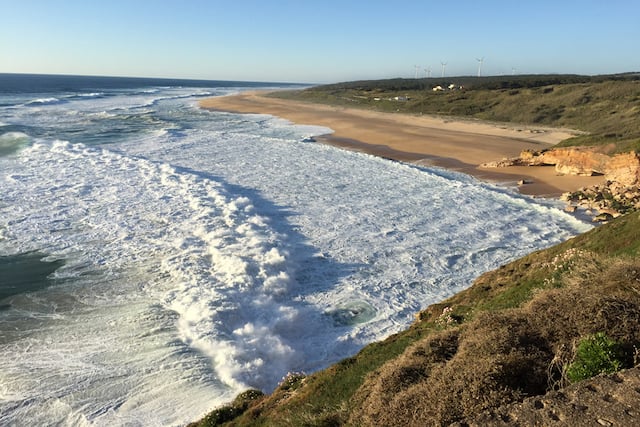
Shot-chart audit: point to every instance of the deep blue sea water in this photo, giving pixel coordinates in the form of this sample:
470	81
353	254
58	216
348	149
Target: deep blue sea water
156	258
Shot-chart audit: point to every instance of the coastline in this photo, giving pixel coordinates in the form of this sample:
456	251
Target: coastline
547	183
456	144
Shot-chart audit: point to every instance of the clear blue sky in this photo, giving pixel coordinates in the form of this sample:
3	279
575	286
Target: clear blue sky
317	41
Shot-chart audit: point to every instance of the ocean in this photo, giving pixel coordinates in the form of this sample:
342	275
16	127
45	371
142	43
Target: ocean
156	259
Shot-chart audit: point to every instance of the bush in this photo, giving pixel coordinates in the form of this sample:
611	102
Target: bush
292	381
596	354
229	412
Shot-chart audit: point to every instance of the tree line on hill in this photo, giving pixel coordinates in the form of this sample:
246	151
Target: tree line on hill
520	81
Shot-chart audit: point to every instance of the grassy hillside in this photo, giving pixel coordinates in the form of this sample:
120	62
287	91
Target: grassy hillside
519	331
606	108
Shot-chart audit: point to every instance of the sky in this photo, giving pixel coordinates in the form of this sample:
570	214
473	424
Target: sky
309	41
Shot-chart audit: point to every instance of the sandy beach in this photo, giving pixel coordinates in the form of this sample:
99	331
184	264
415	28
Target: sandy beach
457	144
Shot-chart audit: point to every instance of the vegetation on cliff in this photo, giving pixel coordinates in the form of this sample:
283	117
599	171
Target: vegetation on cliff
517	332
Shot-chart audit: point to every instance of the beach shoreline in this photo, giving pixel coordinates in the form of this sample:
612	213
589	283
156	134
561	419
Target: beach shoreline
455	144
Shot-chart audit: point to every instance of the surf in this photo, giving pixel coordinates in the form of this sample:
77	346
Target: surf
193	254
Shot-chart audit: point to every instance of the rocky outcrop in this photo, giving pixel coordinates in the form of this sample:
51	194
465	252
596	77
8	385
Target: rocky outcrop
622	168
574	161
606	201
618	195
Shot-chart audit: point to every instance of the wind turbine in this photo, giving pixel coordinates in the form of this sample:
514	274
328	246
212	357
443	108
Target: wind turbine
480	60
417	67
428	72
444	65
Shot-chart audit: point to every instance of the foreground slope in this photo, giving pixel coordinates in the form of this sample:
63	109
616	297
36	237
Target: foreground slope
499	352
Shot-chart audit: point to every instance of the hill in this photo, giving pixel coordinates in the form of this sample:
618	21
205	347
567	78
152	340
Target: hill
605	108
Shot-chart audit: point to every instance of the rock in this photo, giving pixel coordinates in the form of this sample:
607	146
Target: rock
620	193
603	217
500	163
576	161
570	208
615	186
621	168
528	154
533	158
612	198
624	168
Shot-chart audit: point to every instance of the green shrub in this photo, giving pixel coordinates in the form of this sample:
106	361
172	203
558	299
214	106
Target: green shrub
220	416
292	381
231	411
596	354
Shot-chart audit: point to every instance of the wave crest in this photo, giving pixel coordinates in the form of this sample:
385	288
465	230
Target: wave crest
44	101
11	142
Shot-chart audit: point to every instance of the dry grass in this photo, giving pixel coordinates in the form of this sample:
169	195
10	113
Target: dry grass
506	356
395	382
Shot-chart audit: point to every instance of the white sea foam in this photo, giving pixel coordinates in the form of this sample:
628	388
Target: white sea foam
90	95
391	223
44	101
214	252
120	215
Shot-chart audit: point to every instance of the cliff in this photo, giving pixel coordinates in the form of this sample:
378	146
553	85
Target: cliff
622	168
